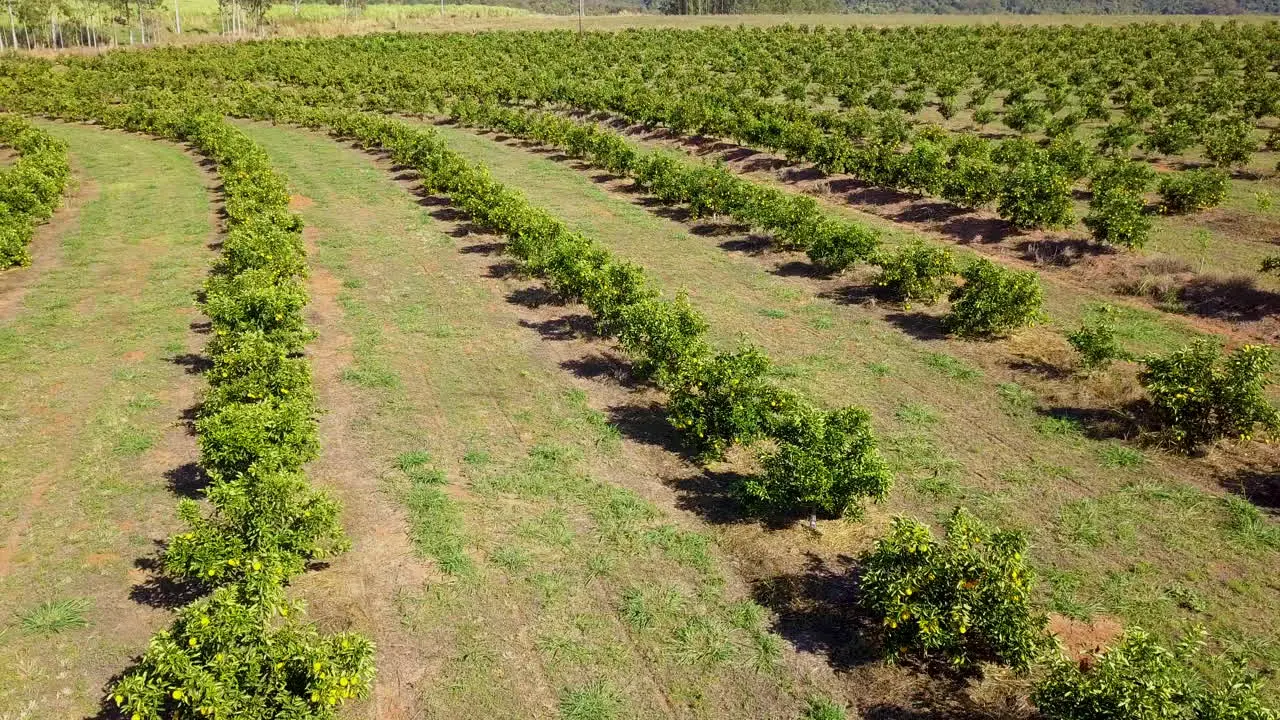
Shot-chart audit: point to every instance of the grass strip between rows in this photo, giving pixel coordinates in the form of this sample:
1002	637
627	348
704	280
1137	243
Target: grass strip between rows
813	460
242	650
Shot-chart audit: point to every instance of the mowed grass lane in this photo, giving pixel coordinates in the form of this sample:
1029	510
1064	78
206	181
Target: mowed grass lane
1116	529
94	382
505	560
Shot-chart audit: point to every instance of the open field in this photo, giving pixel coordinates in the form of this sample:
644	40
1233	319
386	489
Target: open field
535	375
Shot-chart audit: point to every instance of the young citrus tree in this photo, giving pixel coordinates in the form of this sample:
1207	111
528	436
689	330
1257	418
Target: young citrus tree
917	272
1199	396
994	300
1139	679
824	462
966	598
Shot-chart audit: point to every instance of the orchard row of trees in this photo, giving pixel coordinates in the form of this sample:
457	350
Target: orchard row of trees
241	648
966	598
1072	97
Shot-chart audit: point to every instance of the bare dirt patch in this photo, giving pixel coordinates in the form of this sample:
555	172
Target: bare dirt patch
1085	639
361	588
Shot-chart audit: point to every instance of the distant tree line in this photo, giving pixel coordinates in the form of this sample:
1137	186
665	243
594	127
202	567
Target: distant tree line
726	7
1099	7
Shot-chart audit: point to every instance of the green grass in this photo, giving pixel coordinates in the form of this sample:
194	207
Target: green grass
505	466
91	404
1088	504
55	616
951	367
821	708
594	701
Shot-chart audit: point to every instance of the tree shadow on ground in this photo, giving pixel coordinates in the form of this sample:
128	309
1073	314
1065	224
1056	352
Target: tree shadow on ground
574	326
533	297
712	496
192	363
483	248
1257	484
968	229
719	229
187	480
799	268
1097	423
947	701
1046	370
1234	298
159	590
750	245
604	366
1062	252
815	609
107	708
919	325
764	163
929	211
854	294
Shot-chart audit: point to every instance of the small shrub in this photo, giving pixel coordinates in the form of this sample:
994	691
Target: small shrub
994	300
967	597
972	181
1096	343
663	337
1119	137
917	272
226	657
722	400
1036	194
1073	155
1133	176
1229	141
258	300
824	462
1199	396
272	434
1141	680
250	368
273	518
837	245
1025	116
1117	216
1192	191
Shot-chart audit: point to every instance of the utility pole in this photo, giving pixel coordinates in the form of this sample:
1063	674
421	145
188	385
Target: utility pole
582	10
177	17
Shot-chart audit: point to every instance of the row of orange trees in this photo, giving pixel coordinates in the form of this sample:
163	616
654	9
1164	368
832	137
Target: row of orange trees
814	460
31	188
1180	85
965	598
243	649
